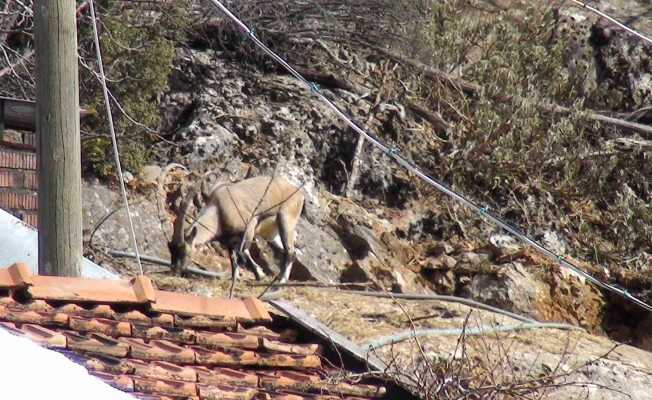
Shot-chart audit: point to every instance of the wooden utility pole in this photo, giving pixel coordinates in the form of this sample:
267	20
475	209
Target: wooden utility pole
59	158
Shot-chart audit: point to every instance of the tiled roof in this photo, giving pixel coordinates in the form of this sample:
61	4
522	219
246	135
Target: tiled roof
164	345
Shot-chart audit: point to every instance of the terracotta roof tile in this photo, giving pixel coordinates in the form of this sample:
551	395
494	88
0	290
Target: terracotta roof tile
122	382
290	361
96	343
109	364
163	386
228	339
91	290
150	396
160	345
225	357
302	349
134	316
162	319
280	379
225	392
250	309
44	336
160	350
173	334
285	335
15	276
202	321
33	317
225	376
100	325
164	370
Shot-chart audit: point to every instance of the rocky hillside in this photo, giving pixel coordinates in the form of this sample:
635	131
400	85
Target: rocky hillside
502	100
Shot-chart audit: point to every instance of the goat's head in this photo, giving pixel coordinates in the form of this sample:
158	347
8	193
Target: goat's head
181	244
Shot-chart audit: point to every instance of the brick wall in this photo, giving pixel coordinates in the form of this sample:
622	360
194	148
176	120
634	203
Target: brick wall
19	183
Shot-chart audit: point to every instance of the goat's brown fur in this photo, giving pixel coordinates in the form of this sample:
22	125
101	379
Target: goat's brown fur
264	206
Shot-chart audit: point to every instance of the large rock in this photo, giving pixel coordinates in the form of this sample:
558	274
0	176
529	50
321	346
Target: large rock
105	219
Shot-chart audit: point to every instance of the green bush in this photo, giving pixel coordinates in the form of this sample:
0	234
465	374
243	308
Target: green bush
137	47
543	170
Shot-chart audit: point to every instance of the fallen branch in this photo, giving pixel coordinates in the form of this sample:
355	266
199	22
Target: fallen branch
434	73
166	263
481	330
593	116
470	88
437	297
437	121
328	80
310	284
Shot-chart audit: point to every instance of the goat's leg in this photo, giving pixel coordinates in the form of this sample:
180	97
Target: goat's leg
286	231
258	271
245	244
234	271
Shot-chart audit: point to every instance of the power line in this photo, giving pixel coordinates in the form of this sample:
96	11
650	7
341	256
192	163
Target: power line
393	153
114	141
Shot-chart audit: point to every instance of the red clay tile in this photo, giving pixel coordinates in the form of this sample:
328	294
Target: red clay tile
103	311
162	319
160	350
44	336
224	392
33	317
257	309
201	321
134	316
225	376
96	343
179	335
286	335
225	357
143	289
301	349
227	339
109	364
152	396
36	305
187	304
80	289
122	382
100	325
74	309
17	275
11	327
284	396
7	301
280	379
166	387
290	361
164	370
99	311
300	382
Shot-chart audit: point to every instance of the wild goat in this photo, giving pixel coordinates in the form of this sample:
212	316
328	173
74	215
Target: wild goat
266	206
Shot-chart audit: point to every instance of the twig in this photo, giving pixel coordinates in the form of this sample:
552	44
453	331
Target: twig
165	263
437	297
310	284
100	222
474	89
